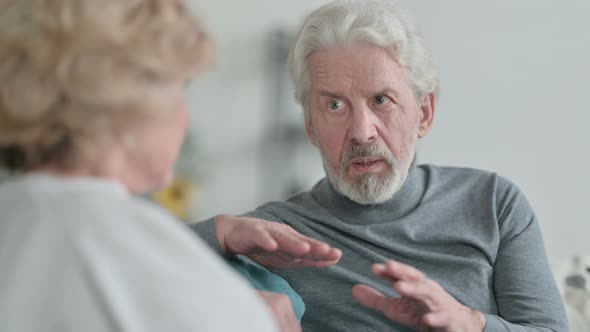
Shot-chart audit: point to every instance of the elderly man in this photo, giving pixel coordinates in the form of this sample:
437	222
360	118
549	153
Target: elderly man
419	247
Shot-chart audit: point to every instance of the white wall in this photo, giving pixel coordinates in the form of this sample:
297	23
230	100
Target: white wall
514	100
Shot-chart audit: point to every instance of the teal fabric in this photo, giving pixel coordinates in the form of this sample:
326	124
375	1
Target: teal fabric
264	280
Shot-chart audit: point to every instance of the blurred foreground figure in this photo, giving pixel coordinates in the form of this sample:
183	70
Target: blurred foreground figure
92	109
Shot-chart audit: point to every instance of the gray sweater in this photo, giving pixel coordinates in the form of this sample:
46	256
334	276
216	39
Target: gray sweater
471	231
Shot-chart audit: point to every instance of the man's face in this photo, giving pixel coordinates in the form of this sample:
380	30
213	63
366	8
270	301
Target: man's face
365	119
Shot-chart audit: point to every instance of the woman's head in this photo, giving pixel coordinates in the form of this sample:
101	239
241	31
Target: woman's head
81	77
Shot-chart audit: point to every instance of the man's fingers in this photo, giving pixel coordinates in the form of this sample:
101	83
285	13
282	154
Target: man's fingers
316	248
425	291
298	245
334	255
375	300
252	238
265	242
369	297
273	244
392	270
326	254
410	282
290	243
315	263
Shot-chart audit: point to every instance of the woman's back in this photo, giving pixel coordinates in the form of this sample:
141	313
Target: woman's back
83	255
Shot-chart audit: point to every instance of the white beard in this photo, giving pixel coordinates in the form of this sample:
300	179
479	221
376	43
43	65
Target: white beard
369	188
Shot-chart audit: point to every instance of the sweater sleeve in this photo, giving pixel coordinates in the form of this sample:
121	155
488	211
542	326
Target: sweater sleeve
525	291
206	230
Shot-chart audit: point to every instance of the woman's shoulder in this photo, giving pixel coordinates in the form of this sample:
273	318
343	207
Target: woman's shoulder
61	202
133	251
78	210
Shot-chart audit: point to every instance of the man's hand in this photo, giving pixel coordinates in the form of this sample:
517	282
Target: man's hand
423	304
282	311
272	244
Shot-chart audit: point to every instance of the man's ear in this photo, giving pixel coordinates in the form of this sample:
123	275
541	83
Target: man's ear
309	129
427	110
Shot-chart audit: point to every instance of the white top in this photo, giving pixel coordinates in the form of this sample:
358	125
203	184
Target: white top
84	255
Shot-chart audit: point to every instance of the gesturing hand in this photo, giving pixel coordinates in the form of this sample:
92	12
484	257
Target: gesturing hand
272	244
423	304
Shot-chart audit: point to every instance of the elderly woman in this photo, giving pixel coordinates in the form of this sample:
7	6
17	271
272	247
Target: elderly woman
92	109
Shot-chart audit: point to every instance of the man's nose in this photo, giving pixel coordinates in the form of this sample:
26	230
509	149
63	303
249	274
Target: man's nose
363	127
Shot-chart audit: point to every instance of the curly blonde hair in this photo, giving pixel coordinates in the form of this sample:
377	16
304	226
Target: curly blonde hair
72	69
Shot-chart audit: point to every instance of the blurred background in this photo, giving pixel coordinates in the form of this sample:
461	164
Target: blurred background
514	100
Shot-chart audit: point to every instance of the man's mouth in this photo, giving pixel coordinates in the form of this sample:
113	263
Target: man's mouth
366	165
365	161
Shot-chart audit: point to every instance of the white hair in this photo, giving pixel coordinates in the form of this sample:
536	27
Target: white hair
378	22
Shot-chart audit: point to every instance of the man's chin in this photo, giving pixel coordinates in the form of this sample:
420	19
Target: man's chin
371	188
366	190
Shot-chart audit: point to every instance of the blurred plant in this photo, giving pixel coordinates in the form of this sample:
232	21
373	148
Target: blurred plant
178	198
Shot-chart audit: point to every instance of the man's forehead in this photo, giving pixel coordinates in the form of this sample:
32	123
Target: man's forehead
354	66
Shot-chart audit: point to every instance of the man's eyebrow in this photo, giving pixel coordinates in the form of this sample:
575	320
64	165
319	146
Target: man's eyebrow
384	91
328	93
387	91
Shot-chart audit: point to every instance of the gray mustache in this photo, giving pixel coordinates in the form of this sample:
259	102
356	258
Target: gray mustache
353	151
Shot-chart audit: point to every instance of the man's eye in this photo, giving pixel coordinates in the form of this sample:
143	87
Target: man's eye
380	100
335	105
